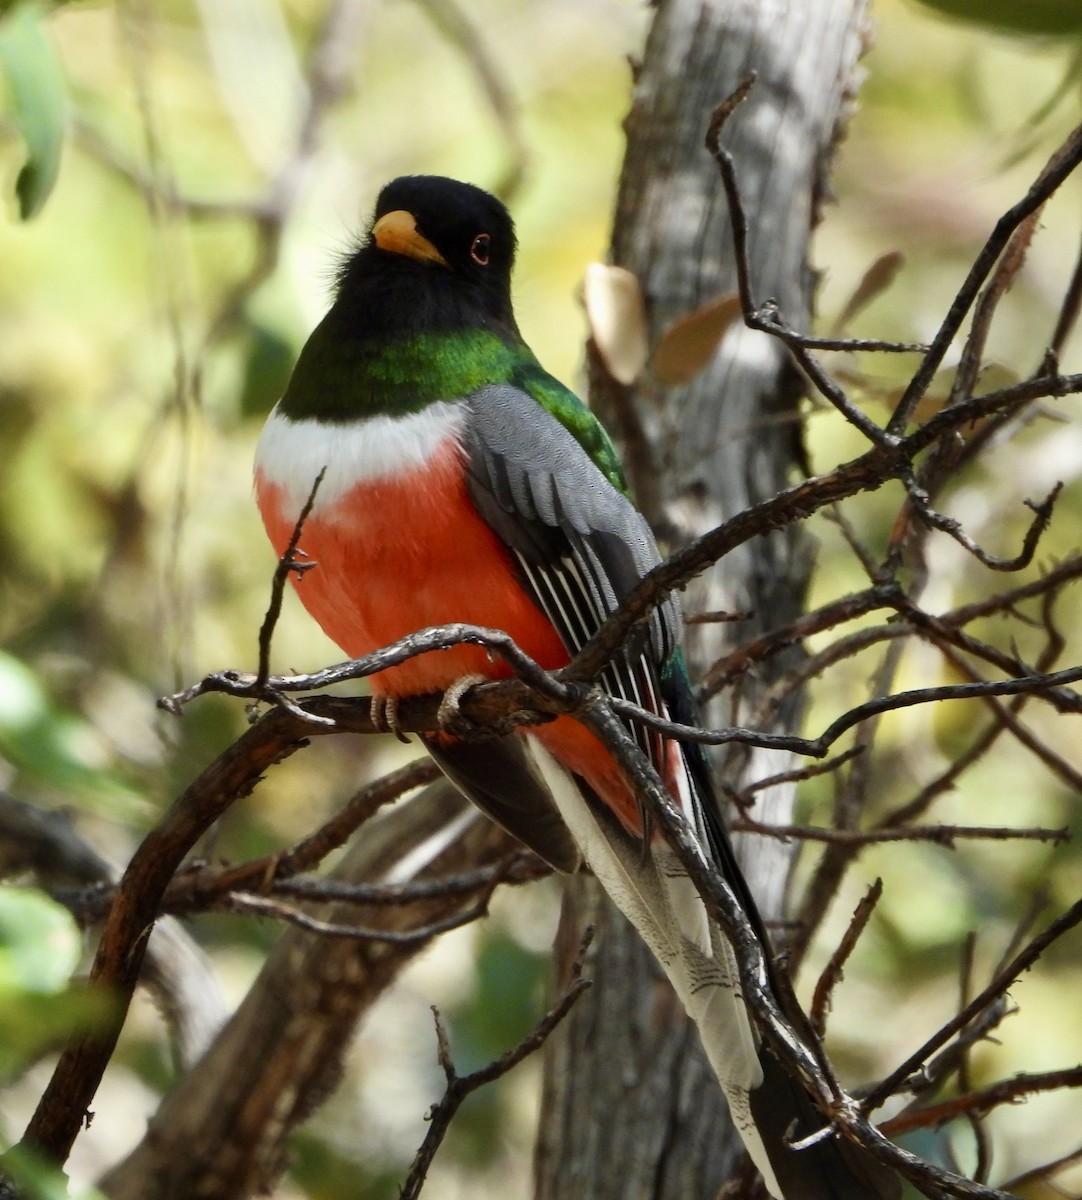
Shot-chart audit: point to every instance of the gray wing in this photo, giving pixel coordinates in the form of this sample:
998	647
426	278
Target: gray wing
579	544
579	547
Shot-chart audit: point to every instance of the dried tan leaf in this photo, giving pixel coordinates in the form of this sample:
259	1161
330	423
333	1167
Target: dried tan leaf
688	343
616	314
875	281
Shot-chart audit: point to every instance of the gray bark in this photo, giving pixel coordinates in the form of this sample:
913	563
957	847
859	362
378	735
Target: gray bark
630	1108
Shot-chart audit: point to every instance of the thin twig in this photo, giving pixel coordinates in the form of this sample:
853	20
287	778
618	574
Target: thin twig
1018	1184
982	1100
264	906
938	835
1059	167
993	991
287	563
832	973
753	315
953	527
460	1086
457	28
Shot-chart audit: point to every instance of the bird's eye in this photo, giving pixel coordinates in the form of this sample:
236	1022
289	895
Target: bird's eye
479	249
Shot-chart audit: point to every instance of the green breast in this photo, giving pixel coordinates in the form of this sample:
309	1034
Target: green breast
339	379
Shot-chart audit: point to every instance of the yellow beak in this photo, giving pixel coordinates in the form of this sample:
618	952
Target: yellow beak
397	232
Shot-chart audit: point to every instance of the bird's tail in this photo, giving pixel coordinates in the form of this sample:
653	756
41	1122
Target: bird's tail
770	1109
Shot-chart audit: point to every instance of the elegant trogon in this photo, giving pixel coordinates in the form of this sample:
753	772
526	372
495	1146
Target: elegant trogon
461	483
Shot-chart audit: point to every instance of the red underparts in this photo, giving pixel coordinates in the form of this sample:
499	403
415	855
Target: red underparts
400	553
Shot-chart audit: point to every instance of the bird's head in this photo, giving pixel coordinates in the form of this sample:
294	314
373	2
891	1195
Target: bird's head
450	243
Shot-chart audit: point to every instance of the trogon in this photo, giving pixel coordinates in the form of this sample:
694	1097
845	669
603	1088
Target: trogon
462	483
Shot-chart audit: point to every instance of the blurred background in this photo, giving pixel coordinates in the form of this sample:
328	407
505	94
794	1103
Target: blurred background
218	158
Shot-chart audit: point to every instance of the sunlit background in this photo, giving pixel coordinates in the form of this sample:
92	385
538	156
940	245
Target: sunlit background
211	177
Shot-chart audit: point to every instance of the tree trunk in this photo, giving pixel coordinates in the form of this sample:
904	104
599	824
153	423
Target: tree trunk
630	1107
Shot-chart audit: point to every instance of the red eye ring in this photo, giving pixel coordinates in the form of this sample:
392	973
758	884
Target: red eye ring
479	249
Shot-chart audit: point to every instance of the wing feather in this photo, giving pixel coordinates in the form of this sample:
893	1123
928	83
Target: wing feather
580	545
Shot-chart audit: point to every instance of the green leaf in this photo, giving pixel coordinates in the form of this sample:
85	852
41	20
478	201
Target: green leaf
1036	17
39	942
39	98
32	1025
39	1179
40	946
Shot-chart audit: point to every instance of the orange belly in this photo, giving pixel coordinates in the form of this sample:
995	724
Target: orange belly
398	554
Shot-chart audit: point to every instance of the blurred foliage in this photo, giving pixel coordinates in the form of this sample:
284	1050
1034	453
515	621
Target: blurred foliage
38	1180
39	1009
38	99
1033	17
149	315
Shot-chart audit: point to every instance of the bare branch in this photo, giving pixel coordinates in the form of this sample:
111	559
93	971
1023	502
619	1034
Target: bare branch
1043	514
847	608
263	906
983	1100
994	990
460	1086
288	563
453	23
939	835
1059	167
1019	1183
58	1118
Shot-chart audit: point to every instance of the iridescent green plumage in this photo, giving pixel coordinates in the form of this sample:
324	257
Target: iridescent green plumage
341	379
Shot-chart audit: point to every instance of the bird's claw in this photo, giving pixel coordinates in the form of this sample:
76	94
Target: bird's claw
385	716
449	716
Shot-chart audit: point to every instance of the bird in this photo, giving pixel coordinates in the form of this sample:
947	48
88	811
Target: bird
449	478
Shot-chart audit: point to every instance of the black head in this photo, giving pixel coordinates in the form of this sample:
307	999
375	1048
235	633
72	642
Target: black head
449	245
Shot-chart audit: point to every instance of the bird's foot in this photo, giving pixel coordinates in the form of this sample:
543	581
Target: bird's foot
385	716
449	716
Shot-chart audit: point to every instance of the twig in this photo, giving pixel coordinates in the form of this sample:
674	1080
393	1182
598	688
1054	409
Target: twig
1010	263
866	473
198	887
818	747
995	989
983	1100
523	867
946	1063
945	524
438	637
1068	315
287	563
263	906
453	23
881	595
832	973
1059	167
1018	1184
975	1118
800	774
59	1115
848	1117
939	835
1035	684
460	1086
754	317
